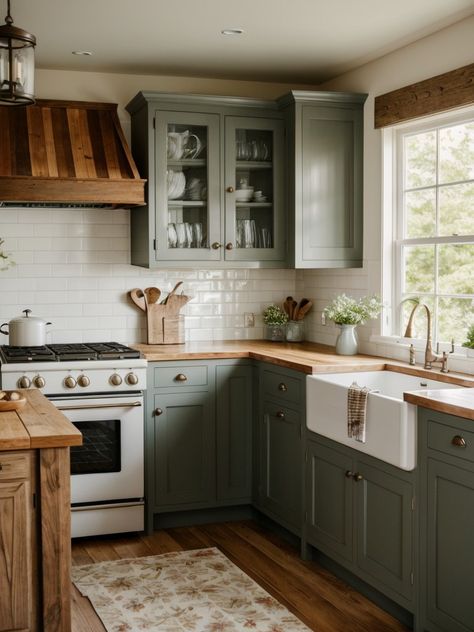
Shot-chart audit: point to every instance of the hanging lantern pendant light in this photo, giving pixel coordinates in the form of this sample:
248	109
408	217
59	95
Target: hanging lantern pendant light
17	64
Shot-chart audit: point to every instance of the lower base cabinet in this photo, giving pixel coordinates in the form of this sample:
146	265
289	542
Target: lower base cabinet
359	512
199	435
447	523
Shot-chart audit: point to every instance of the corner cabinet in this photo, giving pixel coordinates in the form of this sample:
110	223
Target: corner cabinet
325	151
447	522
216	181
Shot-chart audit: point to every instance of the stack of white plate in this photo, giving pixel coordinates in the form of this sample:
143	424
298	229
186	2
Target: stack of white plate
176	184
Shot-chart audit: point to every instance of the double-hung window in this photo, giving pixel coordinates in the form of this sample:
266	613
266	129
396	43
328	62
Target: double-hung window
434	224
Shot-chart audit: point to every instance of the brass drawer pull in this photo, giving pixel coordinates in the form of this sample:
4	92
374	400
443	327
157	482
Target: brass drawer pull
280	414
181	377
158	411
458	441
358	477
349	474
282	387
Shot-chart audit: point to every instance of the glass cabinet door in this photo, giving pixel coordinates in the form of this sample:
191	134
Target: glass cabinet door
187	186
255	222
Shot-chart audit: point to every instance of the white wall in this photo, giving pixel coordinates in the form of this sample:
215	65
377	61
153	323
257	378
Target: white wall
450	48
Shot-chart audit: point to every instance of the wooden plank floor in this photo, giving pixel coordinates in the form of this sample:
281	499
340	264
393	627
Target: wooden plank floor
319	599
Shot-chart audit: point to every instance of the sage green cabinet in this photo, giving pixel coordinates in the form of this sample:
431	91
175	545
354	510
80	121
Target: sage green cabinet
281	418
198	435
359	511
234	424
325	148
196	153
447	522
184	450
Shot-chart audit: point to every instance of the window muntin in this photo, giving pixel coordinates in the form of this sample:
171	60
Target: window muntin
435	227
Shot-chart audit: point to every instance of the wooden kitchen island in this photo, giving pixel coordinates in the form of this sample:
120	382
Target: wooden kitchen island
35	522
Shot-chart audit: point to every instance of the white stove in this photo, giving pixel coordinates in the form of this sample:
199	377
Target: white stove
99	387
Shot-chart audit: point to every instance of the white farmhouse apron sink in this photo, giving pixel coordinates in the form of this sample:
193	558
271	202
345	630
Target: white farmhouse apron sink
390	422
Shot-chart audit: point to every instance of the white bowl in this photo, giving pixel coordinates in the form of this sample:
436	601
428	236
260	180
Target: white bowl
244	195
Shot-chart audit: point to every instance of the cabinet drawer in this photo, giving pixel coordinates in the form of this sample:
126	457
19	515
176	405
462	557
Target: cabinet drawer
284	387
180	376
453	441
14	465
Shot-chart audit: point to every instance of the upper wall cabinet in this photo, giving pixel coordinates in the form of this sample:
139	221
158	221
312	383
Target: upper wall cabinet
325	140
216	181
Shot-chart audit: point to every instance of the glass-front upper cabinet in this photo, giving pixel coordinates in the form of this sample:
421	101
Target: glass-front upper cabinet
254	197
187	186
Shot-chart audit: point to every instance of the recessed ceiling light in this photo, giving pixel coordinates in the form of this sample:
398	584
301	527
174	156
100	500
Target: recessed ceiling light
232	31
85	53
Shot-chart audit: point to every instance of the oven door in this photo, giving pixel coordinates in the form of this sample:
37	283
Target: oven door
109	466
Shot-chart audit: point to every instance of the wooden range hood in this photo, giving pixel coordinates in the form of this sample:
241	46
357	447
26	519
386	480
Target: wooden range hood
66	152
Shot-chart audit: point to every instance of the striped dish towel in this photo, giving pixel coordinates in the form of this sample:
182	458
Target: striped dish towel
356	411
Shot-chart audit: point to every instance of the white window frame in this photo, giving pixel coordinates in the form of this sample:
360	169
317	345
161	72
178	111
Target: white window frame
393	217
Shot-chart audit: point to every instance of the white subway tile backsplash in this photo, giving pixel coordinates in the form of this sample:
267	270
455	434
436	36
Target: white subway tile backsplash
74	264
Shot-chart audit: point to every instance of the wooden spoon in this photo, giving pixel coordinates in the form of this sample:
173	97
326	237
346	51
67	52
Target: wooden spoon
178	284
152	295
138	298
304	307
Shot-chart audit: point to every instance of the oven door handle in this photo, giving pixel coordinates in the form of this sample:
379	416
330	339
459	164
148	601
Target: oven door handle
90	406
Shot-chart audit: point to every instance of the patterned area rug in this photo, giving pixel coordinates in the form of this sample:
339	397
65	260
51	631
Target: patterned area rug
187	591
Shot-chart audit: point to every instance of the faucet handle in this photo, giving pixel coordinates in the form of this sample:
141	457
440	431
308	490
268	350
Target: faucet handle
452	345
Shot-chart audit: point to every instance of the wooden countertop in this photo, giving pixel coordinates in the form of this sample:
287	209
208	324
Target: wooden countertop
39	424
310	357
458	402
307	357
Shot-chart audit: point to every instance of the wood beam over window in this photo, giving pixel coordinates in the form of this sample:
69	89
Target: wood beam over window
451	90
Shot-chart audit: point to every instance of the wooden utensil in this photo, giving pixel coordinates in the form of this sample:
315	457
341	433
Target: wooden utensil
152	295
138	298
178	285
304	307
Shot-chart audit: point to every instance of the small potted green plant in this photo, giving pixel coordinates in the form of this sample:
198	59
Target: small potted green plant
347	312
469	343
275	321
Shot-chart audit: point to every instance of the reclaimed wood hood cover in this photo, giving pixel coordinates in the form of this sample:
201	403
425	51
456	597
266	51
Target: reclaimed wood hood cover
66	152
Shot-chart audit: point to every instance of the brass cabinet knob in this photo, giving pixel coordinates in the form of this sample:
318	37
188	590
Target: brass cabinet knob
458	441
39	381
230	189
216	245
229	246
83	381
349	474
181	377
158	411
131	379
358	477
69	382
24	382
282	387
115	379
280	414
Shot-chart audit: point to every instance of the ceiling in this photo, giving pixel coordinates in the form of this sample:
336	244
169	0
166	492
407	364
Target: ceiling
296	41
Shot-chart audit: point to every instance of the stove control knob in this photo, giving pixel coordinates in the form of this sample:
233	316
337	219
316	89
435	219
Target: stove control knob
115	379
83	381
39	381
131	379
70	382
24	382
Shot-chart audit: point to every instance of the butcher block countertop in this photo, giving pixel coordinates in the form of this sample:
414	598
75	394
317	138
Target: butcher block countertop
458	402
39	424
310	358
